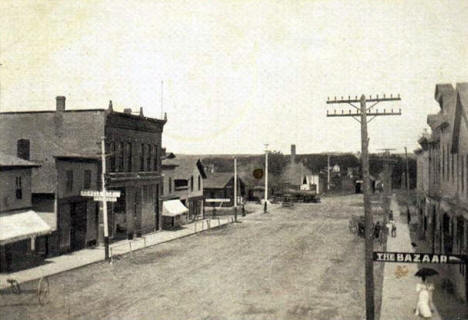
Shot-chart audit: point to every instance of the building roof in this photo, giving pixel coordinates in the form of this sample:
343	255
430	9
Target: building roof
217	180
183	166
294	173
461	110
7	160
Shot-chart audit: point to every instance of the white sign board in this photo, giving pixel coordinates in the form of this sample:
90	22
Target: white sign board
93	193
218	200
108	199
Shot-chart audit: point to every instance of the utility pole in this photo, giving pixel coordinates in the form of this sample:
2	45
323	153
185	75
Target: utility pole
104	201
360	115
265	208
408	213
235	189
387	184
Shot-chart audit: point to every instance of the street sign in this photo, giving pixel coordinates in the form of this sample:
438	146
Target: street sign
416	257
257	173
108	199
93	193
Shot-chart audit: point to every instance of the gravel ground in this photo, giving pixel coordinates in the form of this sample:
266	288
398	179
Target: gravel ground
293	263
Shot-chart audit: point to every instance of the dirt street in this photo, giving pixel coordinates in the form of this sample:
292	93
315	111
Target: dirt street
293	263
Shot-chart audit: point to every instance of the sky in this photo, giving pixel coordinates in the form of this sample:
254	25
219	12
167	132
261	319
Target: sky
237	74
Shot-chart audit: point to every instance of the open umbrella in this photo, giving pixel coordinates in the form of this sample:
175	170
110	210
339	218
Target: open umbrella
426	272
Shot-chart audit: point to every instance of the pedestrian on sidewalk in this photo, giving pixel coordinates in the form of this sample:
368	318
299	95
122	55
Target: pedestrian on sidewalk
393	228
377	229
424	305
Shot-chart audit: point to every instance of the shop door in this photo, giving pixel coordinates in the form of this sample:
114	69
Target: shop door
78	215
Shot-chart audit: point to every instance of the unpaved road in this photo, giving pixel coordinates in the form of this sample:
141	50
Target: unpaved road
298	263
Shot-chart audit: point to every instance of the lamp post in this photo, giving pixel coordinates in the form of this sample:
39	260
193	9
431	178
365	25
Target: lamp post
265	208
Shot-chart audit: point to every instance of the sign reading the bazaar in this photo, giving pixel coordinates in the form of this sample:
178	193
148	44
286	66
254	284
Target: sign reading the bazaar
415	257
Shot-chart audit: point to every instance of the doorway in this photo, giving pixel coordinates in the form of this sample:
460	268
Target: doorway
78	214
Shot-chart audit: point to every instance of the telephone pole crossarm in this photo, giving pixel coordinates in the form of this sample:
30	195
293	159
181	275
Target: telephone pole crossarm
358	114
358	100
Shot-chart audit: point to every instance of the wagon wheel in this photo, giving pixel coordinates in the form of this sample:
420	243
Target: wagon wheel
14	286
43	291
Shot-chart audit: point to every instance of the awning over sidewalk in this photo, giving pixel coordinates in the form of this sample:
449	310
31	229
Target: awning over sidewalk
172	208
21	225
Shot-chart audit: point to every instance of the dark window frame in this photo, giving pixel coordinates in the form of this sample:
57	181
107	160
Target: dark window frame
112	157
87	178
69	180
19	188
23	149
142	157
129	157
180	184
148	157
121	156
156	158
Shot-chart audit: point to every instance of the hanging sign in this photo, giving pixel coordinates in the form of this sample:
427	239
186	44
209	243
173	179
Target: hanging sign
415	257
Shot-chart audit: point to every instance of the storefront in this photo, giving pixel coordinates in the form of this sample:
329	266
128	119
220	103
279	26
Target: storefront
21	240
173	211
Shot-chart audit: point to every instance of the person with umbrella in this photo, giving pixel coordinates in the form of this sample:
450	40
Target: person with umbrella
424	305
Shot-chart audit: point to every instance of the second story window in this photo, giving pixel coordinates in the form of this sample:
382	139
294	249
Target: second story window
142	157
87	179
22	149
453	168
112	157
148	157
121	156
180	184
462	178
69	181
443	162
156	158
129	157
19	188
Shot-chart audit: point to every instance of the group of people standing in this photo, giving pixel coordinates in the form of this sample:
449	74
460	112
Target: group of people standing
391	227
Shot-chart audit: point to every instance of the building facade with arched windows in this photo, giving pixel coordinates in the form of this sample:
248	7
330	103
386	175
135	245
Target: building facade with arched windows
442	182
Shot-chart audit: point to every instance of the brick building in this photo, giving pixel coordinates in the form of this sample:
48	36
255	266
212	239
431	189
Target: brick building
133	143
443	181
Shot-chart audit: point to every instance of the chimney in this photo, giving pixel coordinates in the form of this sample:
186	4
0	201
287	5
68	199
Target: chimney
293	153
60	103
